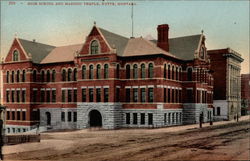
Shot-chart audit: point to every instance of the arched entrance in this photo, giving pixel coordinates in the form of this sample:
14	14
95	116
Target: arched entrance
95	119
48	117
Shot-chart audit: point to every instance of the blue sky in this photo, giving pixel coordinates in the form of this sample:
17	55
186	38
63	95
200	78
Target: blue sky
225	23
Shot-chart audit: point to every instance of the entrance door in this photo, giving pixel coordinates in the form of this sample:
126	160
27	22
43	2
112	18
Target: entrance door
48	116
95	119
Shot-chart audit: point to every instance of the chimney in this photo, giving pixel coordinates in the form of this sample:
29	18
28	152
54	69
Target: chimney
162	41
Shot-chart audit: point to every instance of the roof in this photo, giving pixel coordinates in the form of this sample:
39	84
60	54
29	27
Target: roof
62	54
141	46
37	50
115	41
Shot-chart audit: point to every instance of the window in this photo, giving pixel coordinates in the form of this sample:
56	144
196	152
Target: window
13	115
128	71
12	96
63	75
18	115
98	72
173	96
150	119
189	74
165	118
48	76
69	95
7	76
98	95
117	94
24	76
63	95
8	115
150	95
74	116
53	75
7	96
106	94
142	118
34	75
173	116
117	71
69	116
42	76
127	95
94	47
143	95
53	95
83	72
83	95
173	72
17	96
63	116
134	118
106	71
34	95
165	71
69	75
12	76
91	72
15	55
128	118
218	111
42	95
75	95
165	95
150	70
203	53
91	95
75	74
23	115
47	96
189	95
23	96
135	71
169	71
169	95
143	71
169	118
18	76
176	73
135	95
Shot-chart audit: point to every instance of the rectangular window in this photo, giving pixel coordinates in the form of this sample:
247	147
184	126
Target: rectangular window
83	95
142	118
135	95
69	95
91	95
150	119
173	99
165	95
42	95
75	116
17	96
12	96
53	95
47	96
18	115
63	95
23	115
69	116
75	95
177	96
169	98
169	118
106	94
165	118
180	96
98	95
127	118
8	115
63	116
143	95
127	94
151	95
117	95
134	118
34	96
23	96
189	95
13	115
7	96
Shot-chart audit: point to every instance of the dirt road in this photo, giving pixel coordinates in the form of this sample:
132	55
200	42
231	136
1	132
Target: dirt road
220	142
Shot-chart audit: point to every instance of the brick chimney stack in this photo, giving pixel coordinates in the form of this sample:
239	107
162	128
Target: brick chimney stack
162	41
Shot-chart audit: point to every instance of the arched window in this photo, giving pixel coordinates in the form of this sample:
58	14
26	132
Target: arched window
34	75
98	71
15	55
143	71
177	73
53	75
91	72
189	74
83	72
165	71
150	70
8	77
18	76
24	76
135	71
106	71
203	52
173	72
180	74
48	76
63	75
42	76
12	76
128	71
75	74
94	47
169	71
117	71
69	74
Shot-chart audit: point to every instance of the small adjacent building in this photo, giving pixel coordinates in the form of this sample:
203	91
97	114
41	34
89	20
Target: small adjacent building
245	94
226	67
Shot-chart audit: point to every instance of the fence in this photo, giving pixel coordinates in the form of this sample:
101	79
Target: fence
18	139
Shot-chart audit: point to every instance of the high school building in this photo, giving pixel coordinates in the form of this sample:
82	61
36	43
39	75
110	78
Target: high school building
107	80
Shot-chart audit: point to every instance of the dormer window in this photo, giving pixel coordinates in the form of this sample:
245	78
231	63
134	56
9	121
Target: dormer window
15	55
94	47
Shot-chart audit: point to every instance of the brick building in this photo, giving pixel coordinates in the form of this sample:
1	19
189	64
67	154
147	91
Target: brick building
225	64
245	94
108	80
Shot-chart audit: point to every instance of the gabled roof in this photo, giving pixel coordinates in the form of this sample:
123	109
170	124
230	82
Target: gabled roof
37	50
115	41
62	54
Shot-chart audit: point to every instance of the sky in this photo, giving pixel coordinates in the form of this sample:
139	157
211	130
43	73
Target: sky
225	23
